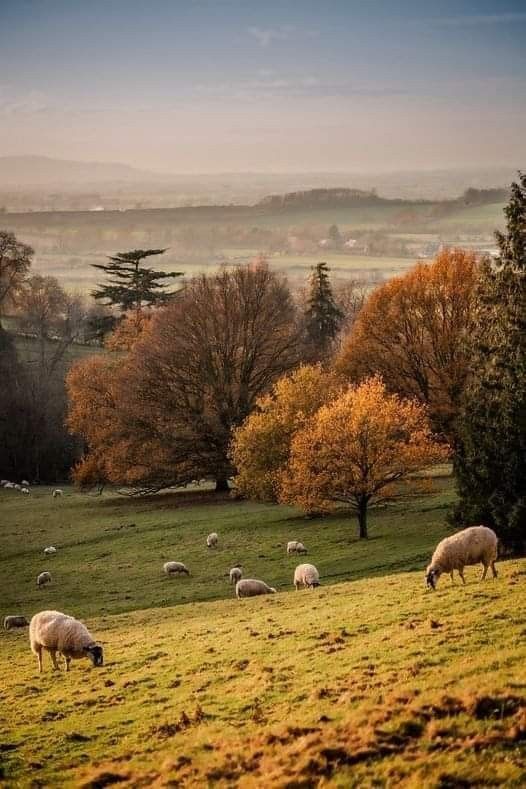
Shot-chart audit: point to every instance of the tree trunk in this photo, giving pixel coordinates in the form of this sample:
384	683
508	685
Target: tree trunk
362	519
222	483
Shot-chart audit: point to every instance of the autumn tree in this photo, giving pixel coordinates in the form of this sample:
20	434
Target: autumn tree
261	445
15	262
196	374
411	332
490	462
132	285
357	449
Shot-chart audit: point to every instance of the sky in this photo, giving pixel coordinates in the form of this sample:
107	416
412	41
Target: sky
201	86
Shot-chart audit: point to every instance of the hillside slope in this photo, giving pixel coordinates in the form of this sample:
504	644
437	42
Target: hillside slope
374	682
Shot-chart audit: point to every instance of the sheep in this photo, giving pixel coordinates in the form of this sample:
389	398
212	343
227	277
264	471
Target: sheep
469	546
307	576
236	573
175	568
43	579
212	540
50	550
57	632
25	482
57	492
25	490
250	587
296	547
9	485
14	621
16	486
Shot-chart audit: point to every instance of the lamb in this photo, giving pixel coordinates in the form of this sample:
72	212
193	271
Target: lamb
175	568
296	547
25	490
57	492
306	576
212	540
43	579
14	621
469	546
236	573
250	587
50	550
57	632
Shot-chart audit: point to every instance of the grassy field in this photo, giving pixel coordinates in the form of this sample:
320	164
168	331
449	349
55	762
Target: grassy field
367	681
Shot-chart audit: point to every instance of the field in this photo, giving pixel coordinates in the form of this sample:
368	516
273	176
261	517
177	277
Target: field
367	681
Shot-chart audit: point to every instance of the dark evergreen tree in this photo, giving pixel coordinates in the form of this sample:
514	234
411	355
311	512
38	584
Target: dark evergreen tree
335	235
490	460
323	317
132	285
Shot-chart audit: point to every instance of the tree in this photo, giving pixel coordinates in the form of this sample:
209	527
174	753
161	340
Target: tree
411	332
335	235
356	451
171	404
132	285
15	261
490	462
322	317
261	445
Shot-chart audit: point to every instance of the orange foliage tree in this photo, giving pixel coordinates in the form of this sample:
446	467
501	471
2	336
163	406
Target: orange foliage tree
163	414
356	450
261	445
412	333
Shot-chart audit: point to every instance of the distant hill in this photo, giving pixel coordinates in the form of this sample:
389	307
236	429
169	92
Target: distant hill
27	171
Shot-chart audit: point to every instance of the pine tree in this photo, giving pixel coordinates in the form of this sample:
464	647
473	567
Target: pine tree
323	317
490	462
133	286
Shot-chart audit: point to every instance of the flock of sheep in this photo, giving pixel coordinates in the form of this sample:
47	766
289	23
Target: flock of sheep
305	575
23	487
56	632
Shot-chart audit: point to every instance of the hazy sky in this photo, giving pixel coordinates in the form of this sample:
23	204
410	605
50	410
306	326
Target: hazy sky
237	85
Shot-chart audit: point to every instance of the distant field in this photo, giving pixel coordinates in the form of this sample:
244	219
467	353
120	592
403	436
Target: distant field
368	681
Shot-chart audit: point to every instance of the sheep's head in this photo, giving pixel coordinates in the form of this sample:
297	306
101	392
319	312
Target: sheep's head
95	654
272	590
432	576
314	584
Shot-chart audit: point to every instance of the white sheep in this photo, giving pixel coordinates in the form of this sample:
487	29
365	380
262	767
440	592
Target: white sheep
43	579
50	550
175	568
469	546
250	587
16	486
57	492
25	490
9	485
212	540
25	482
294	546
306	576
15	621
56	632
236	574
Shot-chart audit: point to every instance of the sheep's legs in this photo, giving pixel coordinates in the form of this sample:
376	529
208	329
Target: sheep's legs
67	661
39	656
484	571
54	661
452	577
461	573
493	569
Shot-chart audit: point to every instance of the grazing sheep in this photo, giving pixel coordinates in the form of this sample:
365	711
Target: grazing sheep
306	576
469	546
50	550
43	579
15	621
175	568
212	540
25	490
25	482
58	632
16	486
296	547
9	485
57	492
250	587
236	574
